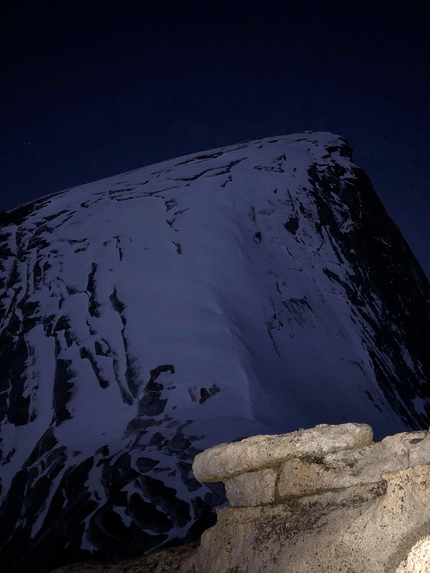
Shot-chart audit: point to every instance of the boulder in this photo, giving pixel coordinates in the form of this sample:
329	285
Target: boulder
227	460
326	499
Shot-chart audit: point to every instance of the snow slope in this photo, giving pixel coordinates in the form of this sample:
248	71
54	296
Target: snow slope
256	288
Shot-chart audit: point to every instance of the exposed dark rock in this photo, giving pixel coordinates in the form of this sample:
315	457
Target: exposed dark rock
257	237
85	353
204	517
63	388
178	443
108	533
206	394
166	498
152	404
146	464
157	440
116	303
178	247
147	516
11	508
292	225
140	425
46	443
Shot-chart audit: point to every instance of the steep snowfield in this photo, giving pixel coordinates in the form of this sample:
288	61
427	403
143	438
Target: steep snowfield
256	288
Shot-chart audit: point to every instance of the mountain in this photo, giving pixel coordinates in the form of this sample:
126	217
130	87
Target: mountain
252	289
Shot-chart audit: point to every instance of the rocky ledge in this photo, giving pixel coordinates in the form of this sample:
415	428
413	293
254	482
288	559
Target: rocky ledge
326	499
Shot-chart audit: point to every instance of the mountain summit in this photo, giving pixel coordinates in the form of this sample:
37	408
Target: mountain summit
252	289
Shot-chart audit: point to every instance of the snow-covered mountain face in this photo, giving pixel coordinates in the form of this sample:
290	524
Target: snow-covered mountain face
253	289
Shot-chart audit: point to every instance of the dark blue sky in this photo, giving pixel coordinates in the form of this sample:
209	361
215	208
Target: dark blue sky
98	87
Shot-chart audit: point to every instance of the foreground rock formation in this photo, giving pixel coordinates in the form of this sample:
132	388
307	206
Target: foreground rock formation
327	499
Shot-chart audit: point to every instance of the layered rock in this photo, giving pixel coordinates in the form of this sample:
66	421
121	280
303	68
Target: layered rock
326	499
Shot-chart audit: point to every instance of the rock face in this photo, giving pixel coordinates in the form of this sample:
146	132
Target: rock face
312	506
253	289
418	560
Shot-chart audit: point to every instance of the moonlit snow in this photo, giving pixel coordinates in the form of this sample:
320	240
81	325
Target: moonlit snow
252	289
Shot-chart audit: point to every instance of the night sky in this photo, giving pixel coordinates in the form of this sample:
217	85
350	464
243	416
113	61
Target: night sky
93	88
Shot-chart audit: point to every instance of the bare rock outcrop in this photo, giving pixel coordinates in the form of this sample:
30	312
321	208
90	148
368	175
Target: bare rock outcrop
327	499
418	560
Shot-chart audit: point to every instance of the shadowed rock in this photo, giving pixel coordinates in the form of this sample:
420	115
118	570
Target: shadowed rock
227	460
